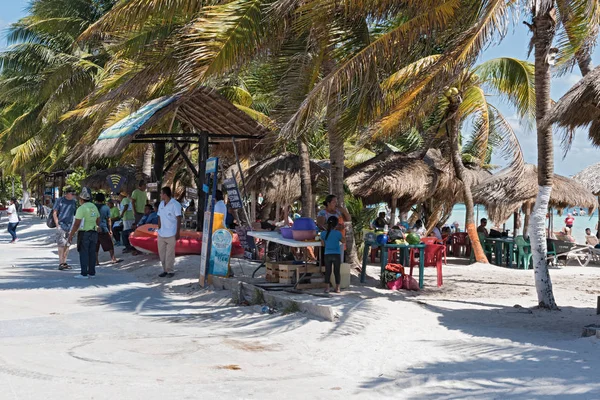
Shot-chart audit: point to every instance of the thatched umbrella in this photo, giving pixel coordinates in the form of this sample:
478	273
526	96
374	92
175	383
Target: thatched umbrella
97	181
278	178
580	106
403	180
590	178
502	194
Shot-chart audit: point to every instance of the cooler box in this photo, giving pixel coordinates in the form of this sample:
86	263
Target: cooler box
344	275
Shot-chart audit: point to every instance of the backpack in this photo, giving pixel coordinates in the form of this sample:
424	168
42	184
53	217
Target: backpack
50	221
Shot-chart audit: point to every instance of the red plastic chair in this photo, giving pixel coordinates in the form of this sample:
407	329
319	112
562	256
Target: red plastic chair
429	240
460	240
394	256
434	240
433	255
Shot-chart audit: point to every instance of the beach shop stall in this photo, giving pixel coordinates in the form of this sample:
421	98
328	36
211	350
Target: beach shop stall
203	118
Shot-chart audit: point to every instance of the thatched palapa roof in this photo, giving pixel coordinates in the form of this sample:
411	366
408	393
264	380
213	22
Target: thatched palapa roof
503	194
278	178
97	181
202	112
590	178
580	107
409	178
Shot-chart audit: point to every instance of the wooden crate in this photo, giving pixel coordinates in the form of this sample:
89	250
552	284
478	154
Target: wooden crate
272	274
290	273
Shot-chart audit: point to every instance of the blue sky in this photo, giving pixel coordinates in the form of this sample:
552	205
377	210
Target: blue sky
515	44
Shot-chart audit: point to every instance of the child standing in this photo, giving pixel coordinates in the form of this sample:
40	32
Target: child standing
332	238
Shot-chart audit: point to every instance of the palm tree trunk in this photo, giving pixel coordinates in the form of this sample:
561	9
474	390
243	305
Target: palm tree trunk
308	208
336	179
544	26
459	170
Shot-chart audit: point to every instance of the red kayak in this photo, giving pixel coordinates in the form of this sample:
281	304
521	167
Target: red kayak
145	238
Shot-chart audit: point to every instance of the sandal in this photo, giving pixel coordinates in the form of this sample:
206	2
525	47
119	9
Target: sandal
116	261
64	266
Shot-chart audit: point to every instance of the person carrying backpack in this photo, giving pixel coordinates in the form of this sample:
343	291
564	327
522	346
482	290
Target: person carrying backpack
62	217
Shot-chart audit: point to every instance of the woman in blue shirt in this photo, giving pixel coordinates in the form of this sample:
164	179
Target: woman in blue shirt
332	239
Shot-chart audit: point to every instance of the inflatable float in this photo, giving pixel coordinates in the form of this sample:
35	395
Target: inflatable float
29	210
145	239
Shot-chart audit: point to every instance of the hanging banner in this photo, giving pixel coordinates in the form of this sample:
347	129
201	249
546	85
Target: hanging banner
212	166
233	193
220	252
152	187
191	193
115	182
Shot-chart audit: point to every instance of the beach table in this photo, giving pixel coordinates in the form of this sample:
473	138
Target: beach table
404	251
503	250
275	237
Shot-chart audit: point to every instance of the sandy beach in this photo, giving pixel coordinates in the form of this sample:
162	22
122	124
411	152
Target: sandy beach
132	335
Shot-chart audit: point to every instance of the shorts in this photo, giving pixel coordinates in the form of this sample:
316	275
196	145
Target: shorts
104	240
62	237
127	225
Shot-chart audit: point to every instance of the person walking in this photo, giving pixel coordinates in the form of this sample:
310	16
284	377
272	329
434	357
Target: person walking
169	225
332	242
115	216
105	233
139	200
128	219
63	213
86	223
13	220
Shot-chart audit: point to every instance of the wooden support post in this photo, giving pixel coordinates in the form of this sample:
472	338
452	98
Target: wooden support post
516	223
253	200
159	162
200	178
393	210
526	220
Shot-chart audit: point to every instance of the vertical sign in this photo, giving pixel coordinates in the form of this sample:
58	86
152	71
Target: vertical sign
220	252
210	179
233	194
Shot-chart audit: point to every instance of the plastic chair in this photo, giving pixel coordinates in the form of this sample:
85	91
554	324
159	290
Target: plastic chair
488	249
434	240
429	240
460	241
432	258
523	252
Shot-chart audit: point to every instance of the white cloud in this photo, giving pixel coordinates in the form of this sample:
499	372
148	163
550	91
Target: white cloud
568	80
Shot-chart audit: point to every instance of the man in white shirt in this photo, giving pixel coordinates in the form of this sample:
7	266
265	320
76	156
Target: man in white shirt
13	220
169	225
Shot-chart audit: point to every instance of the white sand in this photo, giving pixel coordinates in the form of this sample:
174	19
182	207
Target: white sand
146	338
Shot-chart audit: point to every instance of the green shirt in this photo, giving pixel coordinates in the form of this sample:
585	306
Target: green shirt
126	203
88	212
114	213
140	200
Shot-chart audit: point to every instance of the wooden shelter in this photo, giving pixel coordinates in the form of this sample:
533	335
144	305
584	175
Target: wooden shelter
403	180
503	194
580	107
278	178
205	117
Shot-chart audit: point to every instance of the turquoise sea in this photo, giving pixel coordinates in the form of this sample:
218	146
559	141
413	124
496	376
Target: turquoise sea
581	222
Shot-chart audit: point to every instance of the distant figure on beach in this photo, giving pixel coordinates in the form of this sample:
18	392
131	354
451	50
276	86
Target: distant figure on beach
569	223
436	231
169	226
590	239
419	229
139	200
105	233
332	239
13	219
380	222
63	213
482	228
582	212
456	226
86	223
